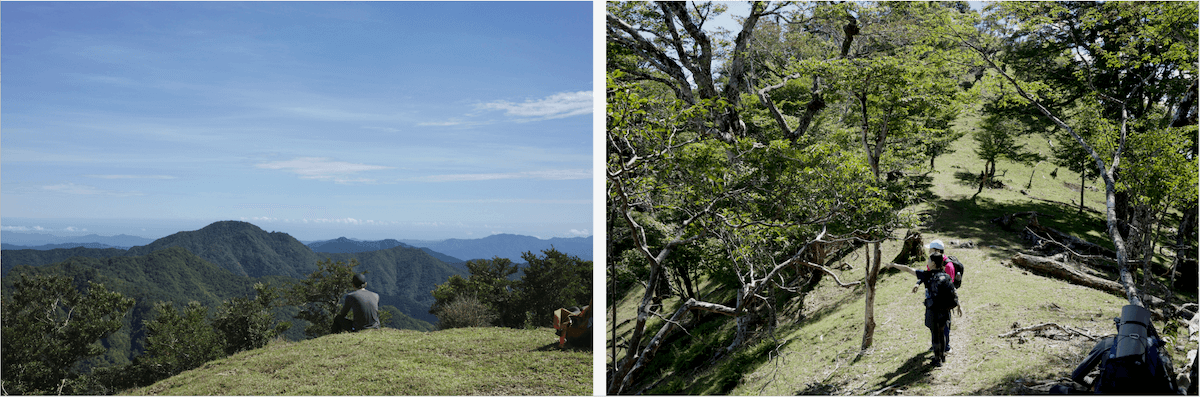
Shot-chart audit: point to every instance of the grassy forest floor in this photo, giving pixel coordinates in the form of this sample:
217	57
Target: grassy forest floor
461	361
815	348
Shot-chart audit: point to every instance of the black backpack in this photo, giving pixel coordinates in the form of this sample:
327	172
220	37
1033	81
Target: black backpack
942	295
959	270
1133	364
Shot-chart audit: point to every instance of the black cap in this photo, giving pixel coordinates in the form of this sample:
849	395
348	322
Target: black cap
358	280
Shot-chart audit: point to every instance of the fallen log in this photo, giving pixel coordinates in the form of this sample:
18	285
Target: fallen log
1047	266
1050	267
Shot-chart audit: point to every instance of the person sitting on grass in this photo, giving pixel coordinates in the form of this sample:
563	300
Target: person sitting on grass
365	305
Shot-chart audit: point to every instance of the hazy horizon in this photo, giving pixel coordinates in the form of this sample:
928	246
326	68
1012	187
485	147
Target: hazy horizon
156	229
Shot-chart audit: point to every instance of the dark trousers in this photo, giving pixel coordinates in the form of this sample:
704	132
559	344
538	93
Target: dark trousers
938	321
342	325
939	342
945	336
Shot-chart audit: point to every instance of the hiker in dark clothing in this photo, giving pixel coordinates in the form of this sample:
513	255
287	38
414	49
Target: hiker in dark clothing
924	277
1093	359
1130	362
939	300
364	304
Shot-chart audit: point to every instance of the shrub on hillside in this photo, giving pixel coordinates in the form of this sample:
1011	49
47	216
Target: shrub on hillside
465	311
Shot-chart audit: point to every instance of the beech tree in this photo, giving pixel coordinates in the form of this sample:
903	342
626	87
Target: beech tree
770	207
1136	63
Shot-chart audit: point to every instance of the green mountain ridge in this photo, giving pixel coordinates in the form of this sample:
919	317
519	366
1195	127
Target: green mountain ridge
403	276
461	361
172	274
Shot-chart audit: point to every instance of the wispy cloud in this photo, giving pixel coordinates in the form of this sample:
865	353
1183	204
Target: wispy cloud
72	229
71	188
579	233
324	169
131	176
338	221
559	105
543	175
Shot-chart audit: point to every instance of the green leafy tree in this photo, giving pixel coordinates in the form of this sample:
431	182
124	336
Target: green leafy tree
490	282
769	207
318	295
1136	62
1068	153
48	326
997	139
553	281
246	323
176	342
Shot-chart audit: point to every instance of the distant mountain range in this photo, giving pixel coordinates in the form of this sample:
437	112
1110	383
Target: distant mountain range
345	245
509	246
451	251
402	272
31	240
403	276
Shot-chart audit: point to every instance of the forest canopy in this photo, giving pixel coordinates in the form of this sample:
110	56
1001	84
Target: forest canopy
750	156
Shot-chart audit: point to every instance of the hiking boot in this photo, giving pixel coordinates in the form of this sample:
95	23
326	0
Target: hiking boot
937	363
947	348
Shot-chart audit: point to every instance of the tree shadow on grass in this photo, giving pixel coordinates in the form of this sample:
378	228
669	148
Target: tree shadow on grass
912	372
553	346
972	219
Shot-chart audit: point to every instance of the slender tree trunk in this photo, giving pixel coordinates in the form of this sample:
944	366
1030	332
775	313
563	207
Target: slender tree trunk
872	278
1082	187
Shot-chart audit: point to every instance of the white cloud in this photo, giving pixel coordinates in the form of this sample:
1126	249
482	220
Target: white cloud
131	176
559	105
579	233
323	169
71	188
72	229
554	175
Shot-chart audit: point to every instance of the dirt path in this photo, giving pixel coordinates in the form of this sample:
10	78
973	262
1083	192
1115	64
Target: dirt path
947	380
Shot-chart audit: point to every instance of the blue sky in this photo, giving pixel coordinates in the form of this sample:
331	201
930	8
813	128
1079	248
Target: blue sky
371	120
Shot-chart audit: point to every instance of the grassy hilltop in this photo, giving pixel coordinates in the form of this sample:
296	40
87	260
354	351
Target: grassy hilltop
461	361
819	333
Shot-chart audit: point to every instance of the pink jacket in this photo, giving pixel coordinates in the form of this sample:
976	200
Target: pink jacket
949	267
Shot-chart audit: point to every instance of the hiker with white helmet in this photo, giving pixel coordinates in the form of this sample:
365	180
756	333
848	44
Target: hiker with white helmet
940	297
937	253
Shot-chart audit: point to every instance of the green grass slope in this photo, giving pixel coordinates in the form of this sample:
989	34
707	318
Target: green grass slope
820	333
463	361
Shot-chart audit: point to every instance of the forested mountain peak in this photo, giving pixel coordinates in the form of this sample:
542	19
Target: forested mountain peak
242	248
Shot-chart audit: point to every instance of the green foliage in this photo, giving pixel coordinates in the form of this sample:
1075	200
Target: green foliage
997	139
553	281
489	283
49	326
246	323
465	311
319	293
176	342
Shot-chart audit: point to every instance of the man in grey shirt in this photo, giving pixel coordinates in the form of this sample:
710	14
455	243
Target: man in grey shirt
365	305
